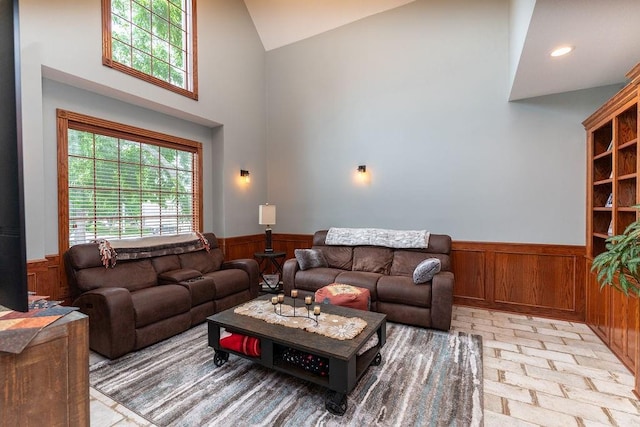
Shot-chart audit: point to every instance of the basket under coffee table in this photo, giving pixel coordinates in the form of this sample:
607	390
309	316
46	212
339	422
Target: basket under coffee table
345	366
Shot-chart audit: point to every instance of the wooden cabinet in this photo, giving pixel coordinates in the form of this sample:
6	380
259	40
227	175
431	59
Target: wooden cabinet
598	305
612	191
48	383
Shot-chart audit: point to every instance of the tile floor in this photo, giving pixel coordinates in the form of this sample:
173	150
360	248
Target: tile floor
537	372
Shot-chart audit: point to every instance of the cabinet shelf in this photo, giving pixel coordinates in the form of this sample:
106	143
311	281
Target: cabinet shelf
628	144
603	181
627	176
627	209
603	155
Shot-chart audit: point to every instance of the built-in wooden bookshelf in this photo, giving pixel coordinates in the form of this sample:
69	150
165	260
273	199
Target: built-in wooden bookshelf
612	192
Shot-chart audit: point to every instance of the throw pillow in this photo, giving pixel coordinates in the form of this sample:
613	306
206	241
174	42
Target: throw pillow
425	271
310	258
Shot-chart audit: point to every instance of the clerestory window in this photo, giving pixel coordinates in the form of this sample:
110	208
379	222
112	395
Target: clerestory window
116	181
153	40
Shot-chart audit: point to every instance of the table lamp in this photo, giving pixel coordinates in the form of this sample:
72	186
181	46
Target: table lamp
267	216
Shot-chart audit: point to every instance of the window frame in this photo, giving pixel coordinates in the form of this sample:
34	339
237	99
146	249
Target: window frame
192	55
69	120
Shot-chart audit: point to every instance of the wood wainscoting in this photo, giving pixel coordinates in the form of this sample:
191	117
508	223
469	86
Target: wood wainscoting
246	246
46	277
534	279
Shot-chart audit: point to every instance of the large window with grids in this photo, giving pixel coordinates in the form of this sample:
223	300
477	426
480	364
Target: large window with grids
154	40
118	181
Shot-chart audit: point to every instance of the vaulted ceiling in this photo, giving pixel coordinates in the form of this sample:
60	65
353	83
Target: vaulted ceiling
605	35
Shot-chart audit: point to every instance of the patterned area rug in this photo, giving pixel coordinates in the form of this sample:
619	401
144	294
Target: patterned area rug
427	378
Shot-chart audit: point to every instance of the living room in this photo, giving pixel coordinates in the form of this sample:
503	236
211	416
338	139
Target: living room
426	95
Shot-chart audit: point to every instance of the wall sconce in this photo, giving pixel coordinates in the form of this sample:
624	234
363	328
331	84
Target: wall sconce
361	176
245	175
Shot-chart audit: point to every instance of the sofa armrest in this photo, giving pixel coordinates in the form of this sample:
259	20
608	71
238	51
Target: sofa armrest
111	320
442	300
251	267
289	270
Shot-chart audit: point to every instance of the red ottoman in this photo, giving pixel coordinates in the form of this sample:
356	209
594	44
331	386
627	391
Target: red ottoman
344	295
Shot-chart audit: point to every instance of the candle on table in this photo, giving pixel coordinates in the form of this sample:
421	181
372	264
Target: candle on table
274	300
316	310
294	293
281	298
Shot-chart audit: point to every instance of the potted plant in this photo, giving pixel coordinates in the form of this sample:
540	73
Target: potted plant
622	257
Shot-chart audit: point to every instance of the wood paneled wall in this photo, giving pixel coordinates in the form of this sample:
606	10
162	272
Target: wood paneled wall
246	246
535	279
44	277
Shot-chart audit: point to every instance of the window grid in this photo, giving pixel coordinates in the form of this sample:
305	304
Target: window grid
153	40
118	187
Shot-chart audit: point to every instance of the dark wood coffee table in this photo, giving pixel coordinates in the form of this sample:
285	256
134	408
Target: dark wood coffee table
345	366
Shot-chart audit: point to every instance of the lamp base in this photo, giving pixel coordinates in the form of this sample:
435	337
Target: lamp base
267	246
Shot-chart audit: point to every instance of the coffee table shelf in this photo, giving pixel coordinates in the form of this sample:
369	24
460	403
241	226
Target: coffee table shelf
345	366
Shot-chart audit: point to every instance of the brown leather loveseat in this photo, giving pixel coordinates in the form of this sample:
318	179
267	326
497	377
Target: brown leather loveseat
156	293
388	274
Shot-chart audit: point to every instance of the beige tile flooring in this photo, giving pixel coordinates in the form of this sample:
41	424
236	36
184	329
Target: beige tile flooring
537	372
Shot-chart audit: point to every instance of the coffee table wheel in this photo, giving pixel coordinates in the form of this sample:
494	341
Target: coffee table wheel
336	403
220	358
377	360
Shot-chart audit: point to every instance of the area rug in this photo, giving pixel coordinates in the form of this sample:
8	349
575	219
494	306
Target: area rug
427	378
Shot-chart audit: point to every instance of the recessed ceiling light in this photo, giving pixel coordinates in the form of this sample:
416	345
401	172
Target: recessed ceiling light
561	51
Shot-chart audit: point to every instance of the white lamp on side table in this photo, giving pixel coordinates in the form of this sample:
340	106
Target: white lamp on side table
267	216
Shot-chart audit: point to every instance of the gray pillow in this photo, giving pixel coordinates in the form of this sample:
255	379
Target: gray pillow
425	271
310	258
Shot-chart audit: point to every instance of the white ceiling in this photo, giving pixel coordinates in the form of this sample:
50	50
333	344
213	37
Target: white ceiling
605	34
281	22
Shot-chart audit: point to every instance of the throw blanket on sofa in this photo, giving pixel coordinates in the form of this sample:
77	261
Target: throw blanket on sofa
147	247
417	239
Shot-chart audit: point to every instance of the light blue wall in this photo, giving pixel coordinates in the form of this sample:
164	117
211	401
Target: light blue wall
419	94
61	43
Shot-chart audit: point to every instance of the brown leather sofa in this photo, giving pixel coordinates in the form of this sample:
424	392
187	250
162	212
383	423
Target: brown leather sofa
142	301
388	275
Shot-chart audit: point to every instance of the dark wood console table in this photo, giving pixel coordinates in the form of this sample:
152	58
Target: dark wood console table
345	366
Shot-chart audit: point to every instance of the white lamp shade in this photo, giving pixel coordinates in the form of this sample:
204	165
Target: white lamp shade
267	215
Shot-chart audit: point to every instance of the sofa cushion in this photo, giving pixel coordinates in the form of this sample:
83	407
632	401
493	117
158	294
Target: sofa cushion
361	279
160	302
310	258
132	275
201	288
425	271
175	276
405	262
202	261
166	263
314	279
338	256
402	290
372	259
229	281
